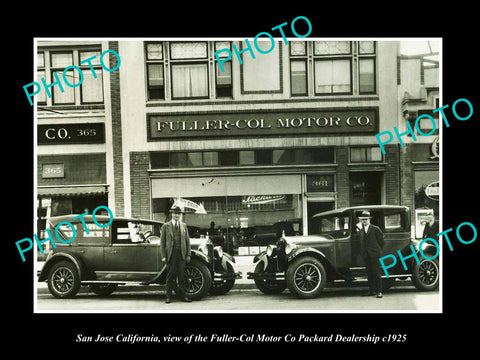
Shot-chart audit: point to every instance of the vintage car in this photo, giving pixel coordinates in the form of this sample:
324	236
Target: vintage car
126	252
305	264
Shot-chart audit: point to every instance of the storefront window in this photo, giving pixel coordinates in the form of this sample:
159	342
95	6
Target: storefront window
242	214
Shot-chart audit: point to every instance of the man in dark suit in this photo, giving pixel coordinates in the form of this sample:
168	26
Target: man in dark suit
371	240
175	251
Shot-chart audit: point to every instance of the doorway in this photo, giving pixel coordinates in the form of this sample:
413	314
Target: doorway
315	207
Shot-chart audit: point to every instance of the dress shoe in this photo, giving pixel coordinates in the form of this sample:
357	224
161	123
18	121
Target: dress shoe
379	295
168	300
186	299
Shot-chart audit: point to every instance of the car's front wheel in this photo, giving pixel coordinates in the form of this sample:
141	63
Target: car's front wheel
63	280
268	286
198	279
103	289
425	276
306	277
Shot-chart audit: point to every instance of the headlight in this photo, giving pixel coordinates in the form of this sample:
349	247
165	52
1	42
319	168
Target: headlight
289	248
270	249
219	251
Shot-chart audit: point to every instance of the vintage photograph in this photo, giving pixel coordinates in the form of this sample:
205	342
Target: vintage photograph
212	175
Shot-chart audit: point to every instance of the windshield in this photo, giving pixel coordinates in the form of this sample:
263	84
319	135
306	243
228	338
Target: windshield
334	225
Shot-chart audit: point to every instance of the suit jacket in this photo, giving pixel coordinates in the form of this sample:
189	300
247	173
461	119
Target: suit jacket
166	240
372	242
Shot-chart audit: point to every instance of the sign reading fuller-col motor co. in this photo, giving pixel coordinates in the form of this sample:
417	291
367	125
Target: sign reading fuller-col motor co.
312	122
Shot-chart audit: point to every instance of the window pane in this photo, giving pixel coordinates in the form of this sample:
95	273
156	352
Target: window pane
189	80
283	156
155	80
332	76
194	159
220	45
189	50
366	47
228	158
303	156
92	89
247	157
178	160
158	160
154	51
263	157
374	154
40	60
88	54
299	77
323	155
224	77
68	94
367	75
357	154
61	59
332	47
42	96
298	48
210	158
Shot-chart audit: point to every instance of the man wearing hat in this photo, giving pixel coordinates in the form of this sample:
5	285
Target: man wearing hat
175	251
371	240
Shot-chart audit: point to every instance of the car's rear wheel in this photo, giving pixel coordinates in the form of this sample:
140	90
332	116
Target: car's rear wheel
425	276
221	287
63	280
103	289
306	277
268	286
198	279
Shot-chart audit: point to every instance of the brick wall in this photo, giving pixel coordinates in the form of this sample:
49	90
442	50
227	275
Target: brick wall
140	185
116	130
407	177
343	186
79	169
391	177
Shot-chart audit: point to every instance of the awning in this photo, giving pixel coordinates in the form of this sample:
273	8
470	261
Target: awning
70	191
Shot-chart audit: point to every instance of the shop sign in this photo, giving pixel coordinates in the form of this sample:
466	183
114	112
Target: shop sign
320	183
432	191
50	171
81	133
261	199
316	121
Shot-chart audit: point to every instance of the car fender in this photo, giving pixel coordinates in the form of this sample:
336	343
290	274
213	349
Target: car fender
201	256
313	252
262	257
55	258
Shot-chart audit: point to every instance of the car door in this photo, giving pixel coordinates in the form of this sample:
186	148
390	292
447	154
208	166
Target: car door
127	258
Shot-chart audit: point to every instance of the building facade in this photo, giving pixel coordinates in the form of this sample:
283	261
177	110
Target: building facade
283	134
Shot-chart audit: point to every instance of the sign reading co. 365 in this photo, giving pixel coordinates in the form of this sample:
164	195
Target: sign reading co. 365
319	122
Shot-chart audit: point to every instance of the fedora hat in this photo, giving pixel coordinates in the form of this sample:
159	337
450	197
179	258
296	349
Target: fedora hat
365	215
176	210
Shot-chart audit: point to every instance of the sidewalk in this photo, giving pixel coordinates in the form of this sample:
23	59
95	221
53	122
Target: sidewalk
244	264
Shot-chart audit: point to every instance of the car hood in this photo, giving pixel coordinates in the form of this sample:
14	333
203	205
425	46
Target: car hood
308	240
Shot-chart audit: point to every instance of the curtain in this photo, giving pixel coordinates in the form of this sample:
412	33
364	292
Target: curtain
189	80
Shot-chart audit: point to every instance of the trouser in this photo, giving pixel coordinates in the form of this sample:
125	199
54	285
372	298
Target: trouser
176	273
374	273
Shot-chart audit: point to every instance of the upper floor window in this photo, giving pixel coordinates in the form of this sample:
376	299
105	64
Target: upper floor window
332	67
189	73
51	61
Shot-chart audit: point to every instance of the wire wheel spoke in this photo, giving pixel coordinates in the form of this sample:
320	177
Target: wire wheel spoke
428	272
63	280
193	280
307	277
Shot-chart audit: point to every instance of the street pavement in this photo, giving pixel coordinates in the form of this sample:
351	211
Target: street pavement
245	297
